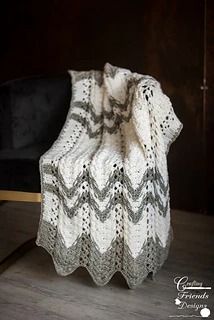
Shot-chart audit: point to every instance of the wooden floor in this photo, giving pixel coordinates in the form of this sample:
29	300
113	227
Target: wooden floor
31	289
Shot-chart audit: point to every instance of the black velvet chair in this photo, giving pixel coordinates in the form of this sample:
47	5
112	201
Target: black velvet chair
32	113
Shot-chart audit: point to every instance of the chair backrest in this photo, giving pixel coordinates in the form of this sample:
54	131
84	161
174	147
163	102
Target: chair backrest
33	110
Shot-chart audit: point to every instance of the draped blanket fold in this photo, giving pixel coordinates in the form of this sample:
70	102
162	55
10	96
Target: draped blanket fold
104	181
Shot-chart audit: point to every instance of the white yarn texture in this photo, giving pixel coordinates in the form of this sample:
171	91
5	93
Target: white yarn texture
104	181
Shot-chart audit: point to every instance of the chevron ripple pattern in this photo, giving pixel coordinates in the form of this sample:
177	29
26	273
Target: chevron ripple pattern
104	181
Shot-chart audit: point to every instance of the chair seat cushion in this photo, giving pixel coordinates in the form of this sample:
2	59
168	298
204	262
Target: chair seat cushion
19	168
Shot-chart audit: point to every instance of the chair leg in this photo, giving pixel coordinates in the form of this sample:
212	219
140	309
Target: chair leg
16	254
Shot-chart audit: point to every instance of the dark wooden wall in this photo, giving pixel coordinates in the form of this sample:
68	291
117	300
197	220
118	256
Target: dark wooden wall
209	108
163	38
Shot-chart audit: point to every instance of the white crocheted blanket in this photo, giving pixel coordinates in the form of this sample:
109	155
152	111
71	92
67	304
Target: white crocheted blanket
104	181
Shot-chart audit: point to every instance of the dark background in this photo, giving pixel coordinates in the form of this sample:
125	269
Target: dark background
163	38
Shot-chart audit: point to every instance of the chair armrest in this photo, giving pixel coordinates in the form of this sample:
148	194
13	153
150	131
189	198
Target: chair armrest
5	118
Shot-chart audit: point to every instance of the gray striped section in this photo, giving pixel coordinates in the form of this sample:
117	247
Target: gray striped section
86	197
85	252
